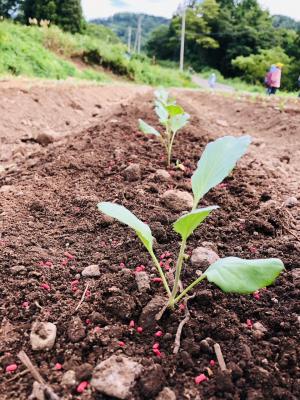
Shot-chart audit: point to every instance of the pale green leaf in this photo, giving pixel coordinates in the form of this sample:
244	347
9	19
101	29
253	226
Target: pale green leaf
161	95
162	113
217	161
127	217
148	129
178	121
186	224
236	275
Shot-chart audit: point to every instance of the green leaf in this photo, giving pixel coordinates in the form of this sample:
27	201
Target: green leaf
178	121
186	224
148	129
217	161
126	217
162	113
236	275
174	109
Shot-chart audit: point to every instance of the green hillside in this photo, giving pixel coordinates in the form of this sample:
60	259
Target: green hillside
120	22
48	53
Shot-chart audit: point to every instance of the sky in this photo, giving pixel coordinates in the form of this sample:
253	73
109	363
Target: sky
165	8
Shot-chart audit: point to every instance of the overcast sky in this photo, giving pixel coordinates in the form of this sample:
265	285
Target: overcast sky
165	8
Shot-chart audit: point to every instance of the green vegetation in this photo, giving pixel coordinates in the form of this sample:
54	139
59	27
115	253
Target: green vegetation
120	22
171	116
230	274
237	38
44	52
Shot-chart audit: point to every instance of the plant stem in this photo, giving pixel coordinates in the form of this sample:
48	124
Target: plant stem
178	271
168	146
182	294
161	273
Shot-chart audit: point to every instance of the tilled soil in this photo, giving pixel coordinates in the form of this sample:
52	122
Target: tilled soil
48	207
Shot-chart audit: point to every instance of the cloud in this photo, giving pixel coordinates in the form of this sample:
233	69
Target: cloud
105	8
119	3
165	8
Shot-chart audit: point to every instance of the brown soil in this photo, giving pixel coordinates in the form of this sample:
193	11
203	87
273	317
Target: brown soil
48	203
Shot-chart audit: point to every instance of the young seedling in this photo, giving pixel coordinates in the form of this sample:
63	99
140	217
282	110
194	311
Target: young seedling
231	274
171	116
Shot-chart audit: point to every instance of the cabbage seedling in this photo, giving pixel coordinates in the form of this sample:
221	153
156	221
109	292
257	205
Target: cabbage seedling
171	116
231	274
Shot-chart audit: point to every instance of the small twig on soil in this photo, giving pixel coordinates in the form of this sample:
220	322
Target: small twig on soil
159	315
37	376
28	364
179	329
17	376
182	323
220	357
38	305
82	298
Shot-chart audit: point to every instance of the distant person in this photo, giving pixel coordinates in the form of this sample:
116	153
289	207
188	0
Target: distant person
299	85
212	81
275	78
268	78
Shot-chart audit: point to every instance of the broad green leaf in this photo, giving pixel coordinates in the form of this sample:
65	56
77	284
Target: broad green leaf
217	161
236	275
174	109
148	129
186	224
178	121
162	113
126	217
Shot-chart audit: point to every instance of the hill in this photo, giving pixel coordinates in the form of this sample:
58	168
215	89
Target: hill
120	22
52	53
282	21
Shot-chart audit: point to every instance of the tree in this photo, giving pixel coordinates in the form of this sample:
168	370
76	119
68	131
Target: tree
8	7
40	9
69	15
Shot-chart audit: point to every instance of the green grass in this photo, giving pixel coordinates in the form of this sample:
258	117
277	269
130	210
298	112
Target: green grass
48	52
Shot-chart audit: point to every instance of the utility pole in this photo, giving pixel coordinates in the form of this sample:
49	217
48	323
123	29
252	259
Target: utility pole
129	38
139	34
182	38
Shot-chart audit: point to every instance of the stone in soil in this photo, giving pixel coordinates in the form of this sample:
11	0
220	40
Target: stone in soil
84	372
143	281
92	271
166	394
76	330
116	376
177	200
162	175
121	306
291	202
38	391
44	139
152	380
69	378
132	173
203	257
42	335
259	330
147	317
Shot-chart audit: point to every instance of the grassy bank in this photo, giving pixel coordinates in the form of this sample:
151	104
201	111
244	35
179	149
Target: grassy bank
48	53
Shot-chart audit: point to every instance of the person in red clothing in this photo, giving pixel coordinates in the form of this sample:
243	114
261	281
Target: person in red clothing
275	78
